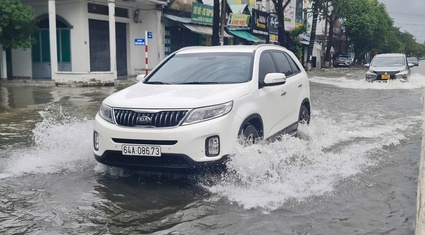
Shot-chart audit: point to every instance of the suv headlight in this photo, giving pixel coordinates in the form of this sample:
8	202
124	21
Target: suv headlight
402	74
106	113
370	75
208	113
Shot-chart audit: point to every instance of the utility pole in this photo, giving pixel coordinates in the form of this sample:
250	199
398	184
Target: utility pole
216	21
223	21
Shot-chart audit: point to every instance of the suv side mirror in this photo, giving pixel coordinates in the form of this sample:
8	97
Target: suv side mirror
411	65
367	65
274	79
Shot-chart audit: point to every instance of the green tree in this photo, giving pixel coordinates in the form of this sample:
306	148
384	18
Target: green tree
17	25
410	46
295	33
368	25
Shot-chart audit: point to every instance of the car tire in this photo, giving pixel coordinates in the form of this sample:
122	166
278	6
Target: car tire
304	116
249	135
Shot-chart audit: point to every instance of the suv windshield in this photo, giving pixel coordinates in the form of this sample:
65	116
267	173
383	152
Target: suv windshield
396	61
204	68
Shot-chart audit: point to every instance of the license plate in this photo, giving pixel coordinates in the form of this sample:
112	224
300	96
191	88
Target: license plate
385	76
141	150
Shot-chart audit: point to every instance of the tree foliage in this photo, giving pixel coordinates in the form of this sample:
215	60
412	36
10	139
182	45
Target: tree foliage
370	27
17	25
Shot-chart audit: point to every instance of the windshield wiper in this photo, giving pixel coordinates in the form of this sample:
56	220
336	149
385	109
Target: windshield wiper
200	83
157	82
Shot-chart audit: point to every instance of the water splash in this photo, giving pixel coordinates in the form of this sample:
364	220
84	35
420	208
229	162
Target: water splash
416	80
61	143
267	176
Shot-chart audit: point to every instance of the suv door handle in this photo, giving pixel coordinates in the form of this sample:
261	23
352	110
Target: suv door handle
300	85
283	93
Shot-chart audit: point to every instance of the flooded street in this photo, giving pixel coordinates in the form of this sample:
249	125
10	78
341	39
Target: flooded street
353	170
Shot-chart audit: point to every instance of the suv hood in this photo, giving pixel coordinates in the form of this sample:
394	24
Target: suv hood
154	96
387	69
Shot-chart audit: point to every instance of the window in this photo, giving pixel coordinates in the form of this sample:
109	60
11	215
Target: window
294	66
266	66
282	63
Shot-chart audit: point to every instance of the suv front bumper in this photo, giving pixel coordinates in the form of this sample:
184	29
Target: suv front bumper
167	162
182	147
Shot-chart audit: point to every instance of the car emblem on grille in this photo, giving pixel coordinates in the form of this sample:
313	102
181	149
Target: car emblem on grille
143	120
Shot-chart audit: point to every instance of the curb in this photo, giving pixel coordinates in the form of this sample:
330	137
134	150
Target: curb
420	201
49	83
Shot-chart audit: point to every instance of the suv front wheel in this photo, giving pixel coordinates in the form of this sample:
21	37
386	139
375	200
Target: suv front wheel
249	135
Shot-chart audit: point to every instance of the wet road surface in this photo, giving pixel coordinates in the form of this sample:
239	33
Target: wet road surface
351	171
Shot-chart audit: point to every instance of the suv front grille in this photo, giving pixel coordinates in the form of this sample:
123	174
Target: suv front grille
126	117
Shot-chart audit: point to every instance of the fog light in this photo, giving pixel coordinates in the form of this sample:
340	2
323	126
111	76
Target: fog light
95	141
212	146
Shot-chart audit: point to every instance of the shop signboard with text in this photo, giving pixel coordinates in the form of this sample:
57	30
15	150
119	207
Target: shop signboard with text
202	14
238	21
259	22
272	24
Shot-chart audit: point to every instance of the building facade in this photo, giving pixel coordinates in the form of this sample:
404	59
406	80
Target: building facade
104	40
99	40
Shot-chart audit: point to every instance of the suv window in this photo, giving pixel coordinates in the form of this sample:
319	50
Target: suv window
282	63
266	66
294	66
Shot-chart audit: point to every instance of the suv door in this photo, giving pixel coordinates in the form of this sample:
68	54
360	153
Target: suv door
290	91
274	98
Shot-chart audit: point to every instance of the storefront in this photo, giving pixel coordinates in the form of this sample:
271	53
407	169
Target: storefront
196	30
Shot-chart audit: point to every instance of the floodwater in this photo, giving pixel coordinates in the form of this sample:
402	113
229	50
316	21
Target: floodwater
353	170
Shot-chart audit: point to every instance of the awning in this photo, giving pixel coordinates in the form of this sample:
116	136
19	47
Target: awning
178	18
239	8
206	30
246	35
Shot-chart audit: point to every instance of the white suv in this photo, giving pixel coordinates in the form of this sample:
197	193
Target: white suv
190	111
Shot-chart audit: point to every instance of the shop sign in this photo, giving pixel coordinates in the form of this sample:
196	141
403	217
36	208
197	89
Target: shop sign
238	21
259	22
202	13
272	24
289	15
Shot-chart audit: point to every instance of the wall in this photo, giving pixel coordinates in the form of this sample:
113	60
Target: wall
76	13
21	68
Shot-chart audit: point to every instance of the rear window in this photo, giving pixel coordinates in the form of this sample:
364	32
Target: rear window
204	68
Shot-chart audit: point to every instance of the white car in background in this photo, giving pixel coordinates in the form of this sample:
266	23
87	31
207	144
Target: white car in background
192	109
388	66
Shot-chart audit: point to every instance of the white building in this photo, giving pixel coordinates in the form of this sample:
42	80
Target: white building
95	40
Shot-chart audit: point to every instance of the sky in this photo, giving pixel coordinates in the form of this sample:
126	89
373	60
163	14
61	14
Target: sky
409	16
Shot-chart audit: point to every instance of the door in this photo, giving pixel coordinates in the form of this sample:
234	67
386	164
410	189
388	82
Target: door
99	47
291	88
41	66
270	96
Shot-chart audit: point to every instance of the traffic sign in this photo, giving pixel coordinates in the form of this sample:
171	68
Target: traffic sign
150	35
139	42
